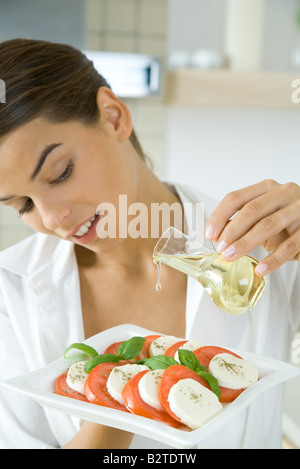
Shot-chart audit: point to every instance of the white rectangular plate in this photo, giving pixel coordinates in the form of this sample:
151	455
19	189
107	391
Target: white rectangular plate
39	385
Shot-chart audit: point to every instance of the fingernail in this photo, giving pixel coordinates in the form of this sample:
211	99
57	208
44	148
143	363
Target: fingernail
229	252
261	269
221	246
209	233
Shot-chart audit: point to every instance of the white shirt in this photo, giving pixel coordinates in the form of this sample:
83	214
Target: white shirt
40	315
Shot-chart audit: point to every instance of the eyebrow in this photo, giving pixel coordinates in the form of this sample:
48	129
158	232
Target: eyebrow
47	150
3	199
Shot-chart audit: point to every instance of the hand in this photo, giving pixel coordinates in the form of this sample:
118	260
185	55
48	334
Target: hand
267	214
95	436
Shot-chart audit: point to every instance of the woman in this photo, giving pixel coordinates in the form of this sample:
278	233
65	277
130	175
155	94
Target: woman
66	146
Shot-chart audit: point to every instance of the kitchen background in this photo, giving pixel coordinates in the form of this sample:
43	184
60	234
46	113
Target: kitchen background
224	114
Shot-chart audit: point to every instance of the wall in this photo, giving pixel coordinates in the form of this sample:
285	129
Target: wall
137	26
49	20
222	150
206	23
236	147
280	34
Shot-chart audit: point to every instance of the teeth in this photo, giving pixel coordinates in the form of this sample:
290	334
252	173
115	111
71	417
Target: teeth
82	231
85	228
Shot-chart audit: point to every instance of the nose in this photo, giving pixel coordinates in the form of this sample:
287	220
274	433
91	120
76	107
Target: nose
54	214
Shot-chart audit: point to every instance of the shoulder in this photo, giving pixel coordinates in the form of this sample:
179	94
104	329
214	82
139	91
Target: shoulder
189	194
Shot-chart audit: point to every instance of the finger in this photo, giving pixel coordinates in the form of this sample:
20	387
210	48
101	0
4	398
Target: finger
263	232
287	251
251	214
233	202
293	227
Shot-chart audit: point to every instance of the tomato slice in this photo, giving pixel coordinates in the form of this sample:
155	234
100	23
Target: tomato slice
205	355
171	376
137	406
63	389
95	387
113	348
229	395
144	353
173	349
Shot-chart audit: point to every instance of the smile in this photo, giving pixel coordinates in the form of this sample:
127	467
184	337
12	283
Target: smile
85	227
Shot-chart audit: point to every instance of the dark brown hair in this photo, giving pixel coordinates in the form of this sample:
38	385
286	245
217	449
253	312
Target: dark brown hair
50	80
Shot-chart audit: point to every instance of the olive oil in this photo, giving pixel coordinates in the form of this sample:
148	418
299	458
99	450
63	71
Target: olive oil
233	286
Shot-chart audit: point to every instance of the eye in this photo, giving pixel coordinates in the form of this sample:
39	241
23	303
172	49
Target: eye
26	207
65	174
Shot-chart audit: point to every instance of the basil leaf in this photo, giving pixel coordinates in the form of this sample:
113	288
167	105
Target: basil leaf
104	358
212	381
83	348
189	359
131	348
158	362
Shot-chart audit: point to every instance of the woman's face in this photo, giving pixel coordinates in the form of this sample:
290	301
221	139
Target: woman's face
56	174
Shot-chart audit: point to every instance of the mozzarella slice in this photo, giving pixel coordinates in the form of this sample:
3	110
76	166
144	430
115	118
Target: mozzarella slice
160	345
193	403
119	377
149	388
190	345
76	377
232	372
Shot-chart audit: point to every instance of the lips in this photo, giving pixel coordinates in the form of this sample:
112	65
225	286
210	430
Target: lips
85	227
86	232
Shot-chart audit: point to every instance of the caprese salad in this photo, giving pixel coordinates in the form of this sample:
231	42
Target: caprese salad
182	383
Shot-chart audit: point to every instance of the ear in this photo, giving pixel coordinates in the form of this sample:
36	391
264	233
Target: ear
114	113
